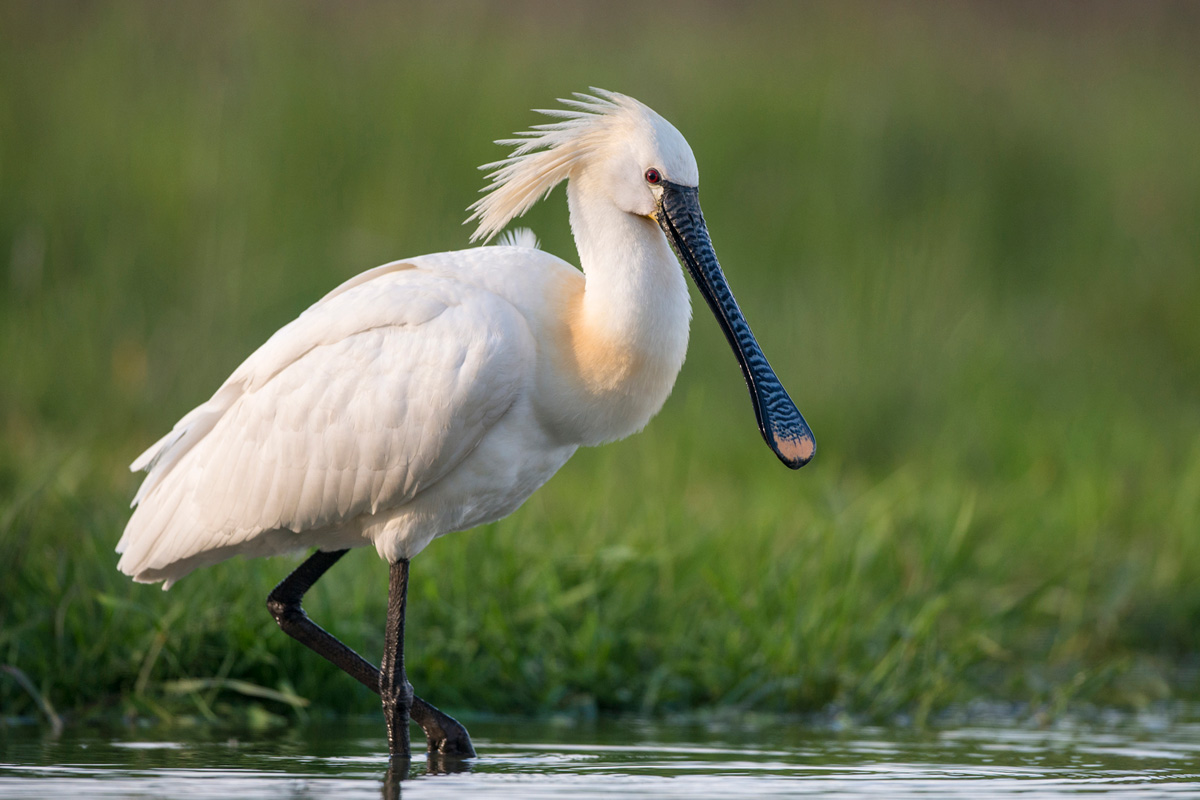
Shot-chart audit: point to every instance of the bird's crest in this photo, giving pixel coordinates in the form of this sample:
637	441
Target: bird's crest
545	156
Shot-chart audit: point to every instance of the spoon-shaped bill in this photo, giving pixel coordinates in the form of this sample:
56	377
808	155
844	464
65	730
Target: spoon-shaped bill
782	426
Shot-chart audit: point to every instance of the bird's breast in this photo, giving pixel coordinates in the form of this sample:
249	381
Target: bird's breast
603	382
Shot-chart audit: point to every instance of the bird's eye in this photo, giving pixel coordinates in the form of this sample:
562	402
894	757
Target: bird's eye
653	176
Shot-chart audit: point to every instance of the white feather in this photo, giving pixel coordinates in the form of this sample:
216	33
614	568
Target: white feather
519	237
547	155
382	388
437	393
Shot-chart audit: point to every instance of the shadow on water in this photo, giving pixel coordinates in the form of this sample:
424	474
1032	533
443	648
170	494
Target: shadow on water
1147	759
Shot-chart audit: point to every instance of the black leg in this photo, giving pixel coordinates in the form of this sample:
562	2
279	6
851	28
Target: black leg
394	687
446	736
284	605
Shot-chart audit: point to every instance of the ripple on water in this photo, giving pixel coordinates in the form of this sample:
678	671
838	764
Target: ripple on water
523	760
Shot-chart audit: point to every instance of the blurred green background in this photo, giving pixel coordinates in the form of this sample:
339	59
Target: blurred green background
967	235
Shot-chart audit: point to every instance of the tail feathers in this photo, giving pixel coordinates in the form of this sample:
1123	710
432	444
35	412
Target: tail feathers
164	454
147	460
144	532
158	461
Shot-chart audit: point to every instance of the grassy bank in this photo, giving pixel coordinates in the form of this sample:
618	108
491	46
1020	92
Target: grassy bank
967	241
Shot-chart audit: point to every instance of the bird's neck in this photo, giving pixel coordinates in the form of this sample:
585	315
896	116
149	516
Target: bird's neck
626	326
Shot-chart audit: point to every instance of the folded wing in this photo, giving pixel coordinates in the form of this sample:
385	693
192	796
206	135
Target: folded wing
364	401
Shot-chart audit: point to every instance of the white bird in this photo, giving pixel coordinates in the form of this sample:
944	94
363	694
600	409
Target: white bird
437	393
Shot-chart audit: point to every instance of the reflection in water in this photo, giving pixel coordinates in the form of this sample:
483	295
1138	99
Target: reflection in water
399	770
770	759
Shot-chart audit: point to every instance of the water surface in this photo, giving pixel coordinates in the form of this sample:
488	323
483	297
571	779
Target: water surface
614	759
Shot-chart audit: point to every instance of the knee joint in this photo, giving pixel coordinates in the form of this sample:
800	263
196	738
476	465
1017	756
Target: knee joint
283	612
400	694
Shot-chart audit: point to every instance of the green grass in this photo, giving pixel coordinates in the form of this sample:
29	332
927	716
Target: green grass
967	241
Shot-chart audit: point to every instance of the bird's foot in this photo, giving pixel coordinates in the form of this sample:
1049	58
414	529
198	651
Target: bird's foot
446	735
451	740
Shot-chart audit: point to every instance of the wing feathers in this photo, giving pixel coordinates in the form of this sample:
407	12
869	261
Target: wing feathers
368	398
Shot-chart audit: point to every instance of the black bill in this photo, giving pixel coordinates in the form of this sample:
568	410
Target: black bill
783	428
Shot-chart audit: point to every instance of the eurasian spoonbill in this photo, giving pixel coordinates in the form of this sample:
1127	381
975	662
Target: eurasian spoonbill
437	393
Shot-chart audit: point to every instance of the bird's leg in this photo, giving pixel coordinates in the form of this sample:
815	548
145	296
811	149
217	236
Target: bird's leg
394	687
446	736
284	605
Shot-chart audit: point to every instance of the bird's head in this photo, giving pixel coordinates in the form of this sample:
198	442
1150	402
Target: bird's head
620	149
638	157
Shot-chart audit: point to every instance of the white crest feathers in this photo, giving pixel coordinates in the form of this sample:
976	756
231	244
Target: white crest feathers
546	155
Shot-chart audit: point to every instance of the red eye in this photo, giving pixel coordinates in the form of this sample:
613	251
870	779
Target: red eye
652	176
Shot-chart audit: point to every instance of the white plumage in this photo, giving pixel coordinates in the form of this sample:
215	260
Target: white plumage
356	408
437	393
